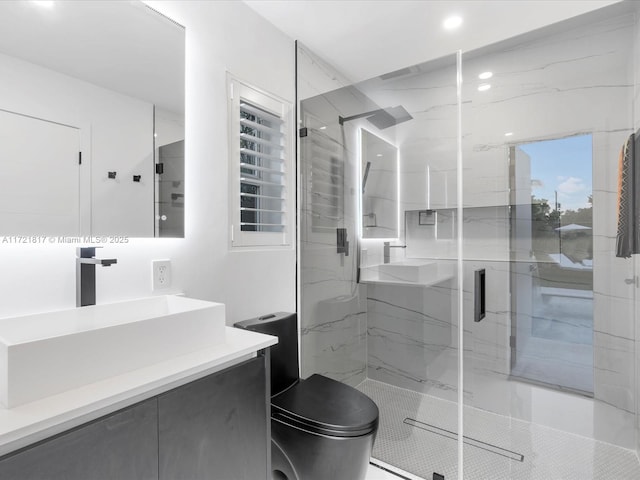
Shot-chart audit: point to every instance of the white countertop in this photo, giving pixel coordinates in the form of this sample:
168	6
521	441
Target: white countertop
35	421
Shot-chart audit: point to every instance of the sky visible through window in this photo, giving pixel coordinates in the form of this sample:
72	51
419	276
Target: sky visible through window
562	165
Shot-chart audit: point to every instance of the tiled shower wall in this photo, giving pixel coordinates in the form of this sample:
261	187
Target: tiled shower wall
412	329
565	82
551	87
568	79
412	342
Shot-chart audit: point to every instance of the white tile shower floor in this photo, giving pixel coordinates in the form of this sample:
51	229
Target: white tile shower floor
375	473
548	454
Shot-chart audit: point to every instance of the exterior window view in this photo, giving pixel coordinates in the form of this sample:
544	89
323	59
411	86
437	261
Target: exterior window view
554	324
320	240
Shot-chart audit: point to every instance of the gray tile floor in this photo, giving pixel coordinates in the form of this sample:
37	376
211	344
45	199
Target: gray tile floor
548	454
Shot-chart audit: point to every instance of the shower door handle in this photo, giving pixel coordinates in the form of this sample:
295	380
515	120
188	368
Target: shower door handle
342	244
480	294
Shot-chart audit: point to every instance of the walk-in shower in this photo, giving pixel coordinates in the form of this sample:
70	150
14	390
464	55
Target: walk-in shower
547	375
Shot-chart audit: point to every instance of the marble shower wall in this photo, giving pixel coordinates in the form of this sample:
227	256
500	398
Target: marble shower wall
427	143
564	80
577	77
485	234
558	82
564	83
332	305
412	342
412	329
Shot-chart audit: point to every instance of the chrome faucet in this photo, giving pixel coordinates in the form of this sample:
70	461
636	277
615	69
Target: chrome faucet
387	250
86	274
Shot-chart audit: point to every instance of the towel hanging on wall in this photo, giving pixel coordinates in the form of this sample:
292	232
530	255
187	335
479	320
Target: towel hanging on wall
628	209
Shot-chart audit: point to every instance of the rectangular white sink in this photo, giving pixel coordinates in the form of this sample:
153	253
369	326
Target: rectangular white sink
49	353
414	271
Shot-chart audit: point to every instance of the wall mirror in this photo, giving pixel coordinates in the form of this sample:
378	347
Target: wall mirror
379	193
91	120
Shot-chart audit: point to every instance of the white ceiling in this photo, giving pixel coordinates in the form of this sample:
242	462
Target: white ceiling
122	46
365	38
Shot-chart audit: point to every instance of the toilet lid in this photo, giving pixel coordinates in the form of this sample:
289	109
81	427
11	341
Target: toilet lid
325	406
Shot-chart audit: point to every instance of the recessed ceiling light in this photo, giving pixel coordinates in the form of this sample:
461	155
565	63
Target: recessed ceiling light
43	3
379	155
452	22
485	75
483	87
508	134
323	128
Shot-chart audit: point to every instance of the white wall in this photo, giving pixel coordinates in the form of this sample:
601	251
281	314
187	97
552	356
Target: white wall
116	133
42	277
40	171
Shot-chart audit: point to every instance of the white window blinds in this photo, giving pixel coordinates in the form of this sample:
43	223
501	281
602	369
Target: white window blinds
260	170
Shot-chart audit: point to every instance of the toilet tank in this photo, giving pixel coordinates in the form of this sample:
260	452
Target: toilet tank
284	355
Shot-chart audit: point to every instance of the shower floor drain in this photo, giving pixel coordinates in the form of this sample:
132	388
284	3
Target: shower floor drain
468	440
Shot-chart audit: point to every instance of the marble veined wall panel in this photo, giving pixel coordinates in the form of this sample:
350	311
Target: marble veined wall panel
411	337
573	82
543	88
486	234
580	80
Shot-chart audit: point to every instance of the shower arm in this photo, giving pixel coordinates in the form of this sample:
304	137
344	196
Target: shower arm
342	119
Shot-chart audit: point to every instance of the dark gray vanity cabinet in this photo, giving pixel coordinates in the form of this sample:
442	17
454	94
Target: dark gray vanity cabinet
213	428
123	446
217	427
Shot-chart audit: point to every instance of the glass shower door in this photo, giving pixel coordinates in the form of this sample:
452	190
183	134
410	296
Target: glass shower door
330	304
378	163
544	118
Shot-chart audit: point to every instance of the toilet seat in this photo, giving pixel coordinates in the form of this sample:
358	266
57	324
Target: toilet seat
324	406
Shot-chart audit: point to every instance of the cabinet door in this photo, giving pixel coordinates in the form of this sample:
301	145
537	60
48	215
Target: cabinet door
216	427
121	446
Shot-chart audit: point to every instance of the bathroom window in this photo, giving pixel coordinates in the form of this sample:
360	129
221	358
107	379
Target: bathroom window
260	167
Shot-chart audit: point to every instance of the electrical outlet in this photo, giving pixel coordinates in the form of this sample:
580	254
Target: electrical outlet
161	274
